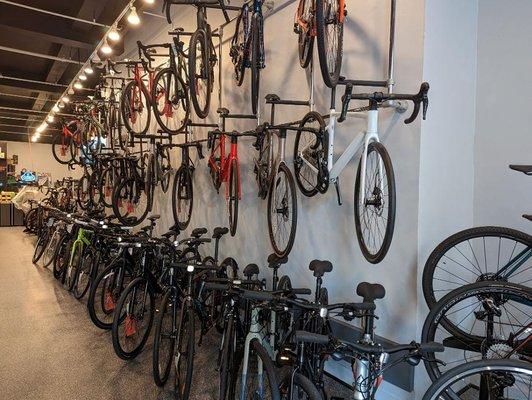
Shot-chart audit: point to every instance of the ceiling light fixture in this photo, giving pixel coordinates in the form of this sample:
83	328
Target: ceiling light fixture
149	1
106	49
65	99
61	105
83	77
55	108
133	17
77	85
70	91
50	118
88	70
113	34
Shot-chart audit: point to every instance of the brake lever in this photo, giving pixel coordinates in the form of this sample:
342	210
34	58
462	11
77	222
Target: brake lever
346	98
421	97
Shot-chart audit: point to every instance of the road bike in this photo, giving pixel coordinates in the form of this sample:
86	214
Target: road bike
247	47
374	195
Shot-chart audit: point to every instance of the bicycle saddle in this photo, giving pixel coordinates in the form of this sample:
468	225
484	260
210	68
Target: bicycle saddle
370	291
219	232
223	111
250	270
526	169
274	261
168	234
198	232
320	267
272	98
154	217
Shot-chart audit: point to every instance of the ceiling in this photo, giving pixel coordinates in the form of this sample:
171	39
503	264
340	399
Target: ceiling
57	46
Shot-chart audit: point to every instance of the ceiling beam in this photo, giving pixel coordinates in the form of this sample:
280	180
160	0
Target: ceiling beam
40	55
60	36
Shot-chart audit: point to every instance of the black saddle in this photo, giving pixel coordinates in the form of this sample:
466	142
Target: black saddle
219	232
274	261
320	267
198	232
370	291
250	270
154	217
223	111
169	234
526	169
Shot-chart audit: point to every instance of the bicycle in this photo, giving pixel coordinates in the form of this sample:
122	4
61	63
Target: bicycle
485	253
374	195
247	48
201	53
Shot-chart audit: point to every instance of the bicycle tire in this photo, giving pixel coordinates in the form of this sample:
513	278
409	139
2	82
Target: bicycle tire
160	376
437	315
234	181
81	286
199	37
305	40
128	218
41	244
119	321
182	192
316	182
51	249
227	359
329	73
61	256
173	79
286	210
255	67
125	108
378	255
465	236
183	385
60	148
301	382
435	391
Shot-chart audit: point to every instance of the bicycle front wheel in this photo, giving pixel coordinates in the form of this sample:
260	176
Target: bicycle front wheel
164	340
484	379
375	208
329	35
234	197
136	109
182	197
255	64
297	386
171	104
199	73
282	211
185	357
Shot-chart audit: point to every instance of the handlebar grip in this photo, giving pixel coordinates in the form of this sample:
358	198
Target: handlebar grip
301	291
259	296
309	337
415	112
431	347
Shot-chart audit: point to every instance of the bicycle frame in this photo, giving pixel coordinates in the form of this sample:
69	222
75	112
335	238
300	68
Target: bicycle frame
514	264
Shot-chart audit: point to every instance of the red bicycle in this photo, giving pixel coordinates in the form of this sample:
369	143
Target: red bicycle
67	143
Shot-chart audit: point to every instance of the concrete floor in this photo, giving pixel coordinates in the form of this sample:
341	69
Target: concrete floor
49	348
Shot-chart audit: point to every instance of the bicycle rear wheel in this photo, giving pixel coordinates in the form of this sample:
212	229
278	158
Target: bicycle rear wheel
375	208
185	357
305	40
171	105
40	246
234	196
255	63
282	211
182	197
61	149
131	203
135	108
83	278
329	35
83	195
51	249
200	73
164	340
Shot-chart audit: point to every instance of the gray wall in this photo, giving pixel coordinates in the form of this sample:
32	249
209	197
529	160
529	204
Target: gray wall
503	126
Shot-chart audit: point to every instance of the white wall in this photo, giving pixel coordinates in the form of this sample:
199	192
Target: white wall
37	157
447	136
504	120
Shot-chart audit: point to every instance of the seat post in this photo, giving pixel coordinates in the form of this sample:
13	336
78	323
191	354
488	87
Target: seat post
275	279
216	242
319	281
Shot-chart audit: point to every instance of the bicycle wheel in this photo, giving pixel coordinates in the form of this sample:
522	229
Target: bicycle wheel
51	249
329	35
130	201
282	211
133	319
305	40
83	196
95	194
170	101
40	246
105	292
264	162
261	378
485	253
484	379
237	52
215	161
297	386
61	149
164	168
182	197
135	108
106	184
234	196
310	155
62	256
73	266
480	320
164	340
255	64
375	212
185	357
227	359
83	278
200	73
